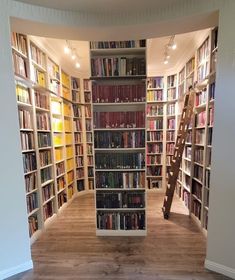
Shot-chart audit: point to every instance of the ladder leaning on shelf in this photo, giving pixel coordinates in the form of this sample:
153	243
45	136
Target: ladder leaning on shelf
185	119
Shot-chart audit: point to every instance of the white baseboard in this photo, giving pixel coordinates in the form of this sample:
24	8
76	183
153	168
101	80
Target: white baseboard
219	268
15	270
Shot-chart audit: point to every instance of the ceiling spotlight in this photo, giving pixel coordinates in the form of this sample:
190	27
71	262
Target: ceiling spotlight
167	56
174	46
66	49
165	61
77	65
73	56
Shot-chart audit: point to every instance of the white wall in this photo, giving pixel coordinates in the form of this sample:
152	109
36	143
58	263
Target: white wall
186	15
14	245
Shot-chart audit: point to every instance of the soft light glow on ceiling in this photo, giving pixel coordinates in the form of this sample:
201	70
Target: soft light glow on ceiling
74	56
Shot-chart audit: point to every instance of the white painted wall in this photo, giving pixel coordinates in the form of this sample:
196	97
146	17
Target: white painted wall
187	15
14	245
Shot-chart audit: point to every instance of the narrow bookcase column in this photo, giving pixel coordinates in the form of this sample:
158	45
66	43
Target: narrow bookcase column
155	112
89	134
119	95
171	122
28	132
79	137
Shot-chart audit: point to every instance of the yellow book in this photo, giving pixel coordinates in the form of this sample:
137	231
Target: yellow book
68	139
65	80
58	154
58	140
67	110
66	93
69	152
70	191
70	164
70	177
68	125
57	125
41	79
55	107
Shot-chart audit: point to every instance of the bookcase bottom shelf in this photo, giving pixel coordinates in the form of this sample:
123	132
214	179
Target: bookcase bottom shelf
103	232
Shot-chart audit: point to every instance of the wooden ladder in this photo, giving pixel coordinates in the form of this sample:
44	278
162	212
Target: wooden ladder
178	151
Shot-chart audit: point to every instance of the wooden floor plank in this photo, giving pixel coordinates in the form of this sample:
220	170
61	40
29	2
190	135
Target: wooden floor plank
174	249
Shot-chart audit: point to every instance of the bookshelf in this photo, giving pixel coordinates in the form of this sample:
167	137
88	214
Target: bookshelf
155	112
118	74
47	98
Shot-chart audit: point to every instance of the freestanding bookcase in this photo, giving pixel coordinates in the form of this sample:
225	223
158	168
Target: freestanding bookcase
118	73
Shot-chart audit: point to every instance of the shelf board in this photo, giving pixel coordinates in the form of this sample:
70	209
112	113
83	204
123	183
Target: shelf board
120	128
33	212
26	129
61	190
120	189
121	170
130	77
186	188
188	159
24	80
42	109
155	117
152	130
30	172
199	145
159	88
45	166
48	200
197	180
19	52
153	164
43	130
172	101
200	127
45	148
47	182
156	101
154	176
195	197
32	191
120	209
107	232
23	104
79	179
59	161
198	163
121	51
119	150
40	67
119	103
186	172
28	151
200	106
60	175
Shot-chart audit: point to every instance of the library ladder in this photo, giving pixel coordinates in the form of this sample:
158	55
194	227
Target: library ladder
185	120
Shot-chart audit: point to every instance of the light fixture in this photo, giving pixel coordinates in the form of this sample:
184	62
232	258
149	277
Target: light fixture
74	56
77	65
170	46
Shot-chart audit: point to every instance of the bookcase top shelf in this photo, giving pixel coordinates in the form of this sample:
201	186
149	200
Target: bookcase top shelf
118	51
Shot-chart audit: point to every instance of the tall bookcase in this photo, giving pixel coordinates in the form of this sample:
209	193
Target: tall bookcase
118	71
46	98
194	179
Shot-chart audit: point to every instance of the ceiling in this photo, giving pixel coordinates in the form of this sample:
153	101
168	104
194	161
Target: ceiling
99	6
186	44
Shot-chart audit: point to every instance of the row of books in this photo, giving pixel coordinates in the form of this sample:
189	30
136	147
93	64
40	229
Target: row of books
79	174
41	100
33	224
77	125
119	119
201	98
60	168
45	158
117	66
48	210
188	152
155	124
197	189
22	93
171	81
90	160
196	208
170	147
156	148
199	136
120	199
30	182
46	174
170	136
65	80
61	183
211	116
203	71
53	70
154	136
204	51
207	178
155	159
80	185
154	110
212	91
155	95
37	55
90	184
79	162
187	166
201	119
168	159
119	161
171	109
186	198
25	121
43	121
70	176
27	140
117	44
198	172
89	148
155	82
88	125
39	77
123	180
20	66
198	155
190	65
29	162
78	150
62	198
32	202
18	41
76	97
171	123
189	136
75	83
44	139
121	221
119	139
90	171
87	111
78	138
47	192
154	171
171	94
102	93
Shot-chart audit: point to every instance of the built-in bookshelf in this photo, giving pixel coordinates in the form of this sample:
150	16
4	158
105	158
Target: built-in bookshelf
193	185
118	99
155	119
46	96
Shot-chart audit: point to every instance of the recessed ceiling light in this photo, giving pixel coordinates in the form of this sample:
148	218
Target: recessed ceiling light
165	61
174	46
77	65
66	49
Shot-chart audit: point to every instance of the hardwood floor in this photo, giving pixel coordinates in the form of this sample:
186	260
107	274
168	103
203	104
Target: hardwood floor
174	249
